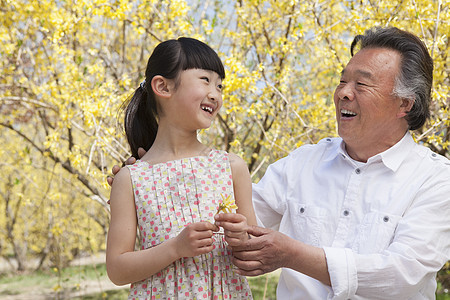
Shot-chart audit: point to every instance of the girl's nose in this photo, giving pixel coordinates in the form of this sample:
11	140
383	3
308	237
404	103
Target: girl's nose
214	94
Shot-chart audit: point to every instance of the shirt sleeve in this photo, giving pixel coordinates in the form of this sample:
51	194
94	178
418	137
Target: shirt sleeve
269	195
420	247
343	272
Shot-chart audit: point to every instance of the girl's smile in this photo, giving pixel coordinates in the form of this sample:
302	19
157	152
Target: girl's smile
198	95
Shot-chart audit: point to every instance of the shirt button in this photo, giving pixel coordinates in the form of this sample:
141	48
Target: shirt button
433	154
302	210
328	140
386	219
346	213
357	171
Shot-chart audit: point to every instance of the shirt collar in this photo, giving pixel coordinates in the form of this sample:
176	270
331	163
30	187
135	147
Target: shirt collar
394	156
337	148
391	158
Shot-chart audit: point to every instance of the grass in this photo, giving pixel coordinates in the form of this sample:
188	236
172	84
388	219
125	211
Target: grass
257	285
110	295
59	283
264	286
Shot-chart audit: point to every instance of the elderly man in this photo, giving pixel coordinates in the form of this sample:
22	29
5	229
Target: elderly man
366	215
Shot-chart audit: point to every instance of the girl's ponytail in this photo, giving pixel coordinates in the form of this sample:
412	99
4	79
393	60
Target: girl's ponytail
140	120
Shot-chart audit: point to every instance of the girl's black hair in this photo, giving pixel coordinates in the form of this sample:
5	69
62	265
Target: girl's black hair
168	59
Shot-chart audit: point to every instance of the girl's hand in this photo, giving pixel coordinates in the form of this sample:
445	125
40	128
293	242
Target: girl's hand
235	228
195	239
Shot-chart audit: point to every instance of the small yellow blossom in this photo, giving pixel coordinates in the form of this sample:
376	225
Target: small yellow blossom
226	204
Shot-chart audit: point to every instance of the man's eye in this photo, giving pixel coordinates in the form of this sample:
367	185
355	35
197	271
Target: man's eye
361	84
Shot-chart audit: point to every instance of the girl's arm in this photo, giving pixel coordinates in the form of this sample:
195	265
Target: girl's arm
235	225
124	265
242	185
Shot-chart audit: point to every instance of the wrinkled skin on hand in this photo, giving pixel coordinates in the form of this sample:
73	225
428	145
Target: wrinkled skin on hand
262	253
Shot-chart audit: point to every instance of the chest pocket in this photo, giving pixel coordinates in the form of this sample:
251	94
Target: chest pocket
375	232
310	222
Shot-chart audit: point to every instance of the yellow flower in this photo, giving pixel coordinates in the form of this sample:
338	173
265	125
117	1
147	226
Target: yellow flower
226	204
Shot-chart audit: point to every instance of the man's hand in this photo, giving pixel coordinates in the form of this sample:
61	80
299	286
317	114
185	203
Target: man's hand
269	250
261	254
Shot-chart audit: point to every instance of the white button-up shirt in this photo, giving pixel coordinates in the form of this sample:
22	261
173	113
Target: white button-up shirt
384	225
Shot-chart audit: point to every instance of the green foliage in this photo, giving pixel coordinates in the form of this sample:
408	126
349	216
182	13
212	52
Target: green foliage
264	286
110	295
443	278
55	283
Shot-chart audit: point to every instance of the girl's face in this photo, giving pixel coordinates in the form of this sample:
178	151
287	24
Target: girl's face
196	100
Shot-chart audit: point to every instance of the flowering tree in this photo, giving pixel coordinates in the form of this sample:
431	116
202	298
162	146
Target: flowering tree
67	67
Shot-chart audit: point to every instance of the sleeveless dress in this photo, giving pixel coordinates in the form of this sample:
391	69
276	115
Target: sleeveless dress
169	196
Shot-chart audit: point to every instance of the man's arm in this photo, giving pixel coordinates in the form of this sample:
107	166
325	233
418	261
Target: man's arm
269	250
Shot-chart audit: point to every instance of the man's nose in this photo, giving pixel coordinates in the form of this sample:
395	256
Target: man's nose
346	92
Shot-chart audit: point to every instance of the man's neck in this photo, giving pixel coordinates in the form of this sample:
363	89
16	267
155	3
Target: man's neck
362	152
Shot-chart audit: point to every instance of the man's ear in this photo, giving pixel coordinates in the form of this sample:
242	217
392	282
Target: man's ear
406	105
161	86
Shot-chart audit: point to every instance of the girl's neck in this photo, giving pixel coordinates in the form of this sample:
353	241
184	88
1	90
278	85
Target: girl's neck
166	149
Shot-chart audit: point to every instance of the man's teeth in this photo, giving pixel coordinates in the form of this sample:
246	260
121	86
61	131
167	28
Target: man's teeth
347	112
207	108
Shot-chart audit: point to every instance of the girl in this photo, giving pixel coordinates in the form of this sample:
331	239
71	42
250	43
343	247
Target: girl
173	192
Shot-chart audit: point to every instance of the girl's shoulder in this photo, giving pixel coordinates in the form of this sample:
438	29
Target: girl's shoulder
139	164
215	153
231	157
226	156
139	168
234	158
237	163
122	178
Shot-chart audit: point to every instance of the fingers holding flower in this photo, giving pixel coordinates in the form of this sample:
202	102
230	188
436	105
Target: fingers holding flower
234	224
226	204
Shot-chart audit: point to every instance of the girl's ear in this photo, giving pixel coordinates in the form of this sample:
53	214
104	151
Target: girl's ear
160	86
405	107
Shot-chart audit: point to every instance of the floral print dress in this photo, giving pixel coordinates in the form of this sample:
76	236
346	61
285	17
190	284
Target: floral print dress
169	196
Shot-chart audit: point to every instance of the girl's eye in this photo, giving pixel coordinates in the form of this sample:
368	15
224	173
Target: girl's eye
205	78
220	87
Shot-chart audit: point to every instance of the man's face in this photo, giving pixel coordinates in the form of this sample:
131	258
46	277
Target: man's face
366	111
